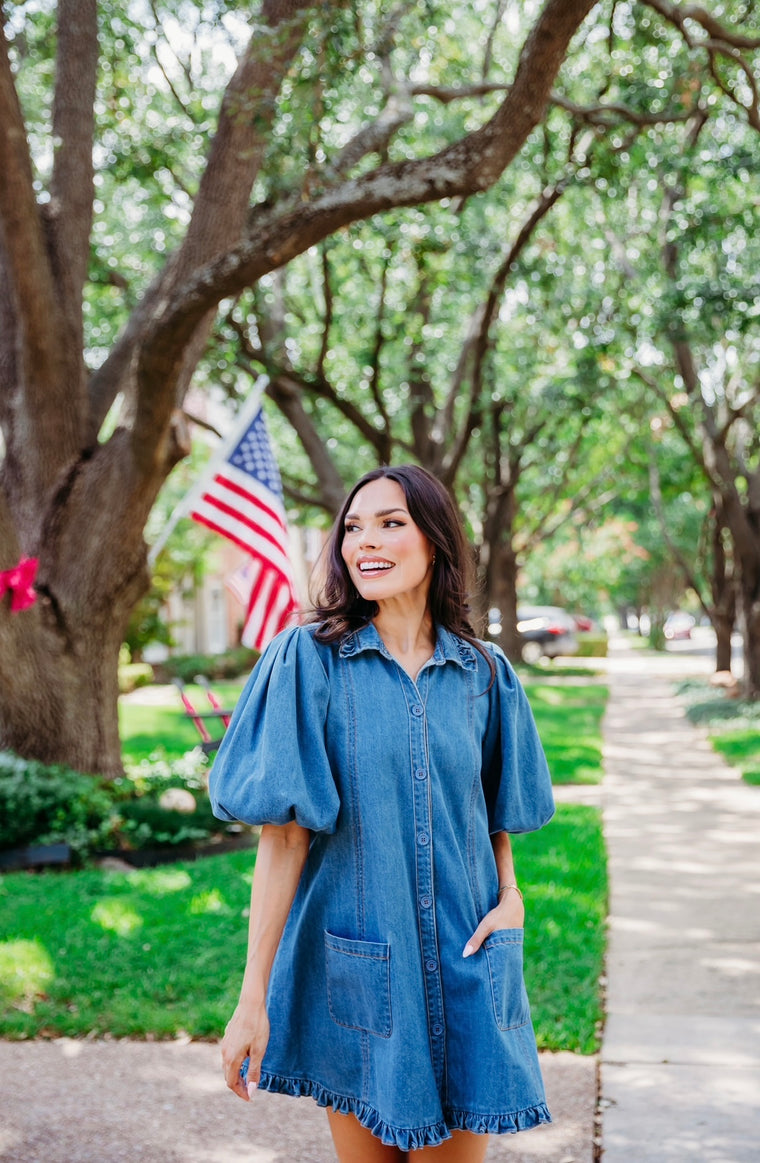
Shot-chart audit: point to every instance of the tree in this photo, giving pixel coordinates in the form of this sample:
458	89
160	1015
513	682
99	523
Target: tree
79	501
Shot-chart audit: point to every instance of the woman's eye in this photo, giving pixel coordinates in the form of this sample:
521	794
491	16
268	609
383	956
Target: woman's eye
351	528
392	521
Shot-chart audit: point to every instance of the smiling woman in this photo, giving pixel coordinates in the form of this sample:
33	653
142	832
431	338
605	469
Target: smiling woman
387	754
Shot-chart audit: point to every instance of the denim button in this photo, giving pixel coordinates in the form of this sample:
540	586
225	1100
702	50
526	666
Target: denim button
423	838
431	965
418	710
420	773
426	901
437	1029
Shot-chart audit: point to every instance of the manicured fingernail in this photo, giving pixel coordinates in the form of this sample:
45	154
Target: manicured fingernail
251	1088
468	950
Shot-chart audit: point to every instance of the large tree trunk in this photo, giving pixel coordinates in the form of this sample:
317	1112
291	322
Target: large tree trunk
749	596
59	659
724	627
500	568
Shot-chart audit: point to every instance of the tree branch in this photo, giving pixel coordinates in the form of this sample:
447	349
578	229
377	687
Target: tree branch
478	341
285	393
498	16
377	347
285	389
69	213
324	347
679	14
44	433
221	206
605	115
753	109
687	572
448	93
469	165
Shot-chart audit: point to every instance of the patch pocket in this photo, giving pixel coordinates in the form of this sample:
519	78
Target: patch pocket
504	952
359	984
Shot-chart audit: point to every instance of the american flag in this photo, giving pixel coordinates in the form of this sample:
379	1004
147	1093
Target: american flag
243	502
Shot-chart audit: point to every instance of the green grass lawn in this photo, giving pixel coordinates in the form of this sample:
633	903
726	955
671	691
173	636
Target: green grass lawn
733	726
147	728
742	749
569	721
161	951
568	717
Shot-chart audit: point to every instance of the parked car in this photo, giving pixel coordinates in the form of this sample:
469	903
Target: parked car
679	624
546	632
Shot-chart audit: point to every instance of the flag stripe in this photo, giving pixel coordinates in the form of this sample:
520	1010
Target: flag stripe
243	502
249	497
248	503
239	518
243	486
241	533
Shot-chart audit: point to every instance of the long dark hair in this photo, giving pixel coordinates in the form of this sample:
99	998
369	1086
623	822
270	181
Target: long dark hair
340	609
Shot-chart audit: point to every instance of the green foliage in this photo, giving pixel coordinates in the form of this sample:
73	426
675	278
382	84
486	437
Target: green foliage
42	805
52	805
580	384
145	823
138	954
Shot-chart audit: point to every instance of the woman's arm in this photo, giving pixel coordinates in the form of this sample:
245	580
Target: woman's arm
509	912
280	859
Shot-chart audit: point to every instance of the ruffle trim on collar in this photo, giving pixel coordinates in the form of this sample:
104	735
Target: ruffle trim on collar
407	1138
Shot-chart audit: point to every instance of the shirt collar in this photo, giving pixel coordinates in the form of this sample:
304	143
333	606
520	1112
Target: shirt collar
448	647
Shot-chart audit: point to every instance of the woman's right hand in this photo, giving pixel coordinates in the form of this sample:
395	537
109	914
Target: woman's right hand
246	1036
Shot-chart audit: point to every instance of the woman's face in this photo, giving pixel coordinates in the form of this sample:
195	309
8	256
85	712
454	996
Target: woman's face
387	555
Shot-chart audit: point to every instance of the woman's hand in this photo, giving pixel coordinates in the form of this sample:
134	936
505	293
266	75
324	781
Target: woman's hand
508	914
247	1035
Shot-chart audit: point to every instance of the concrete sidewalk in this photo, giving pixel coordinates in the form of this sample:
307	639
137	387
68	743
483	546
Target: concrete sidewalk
68	1101
680	1072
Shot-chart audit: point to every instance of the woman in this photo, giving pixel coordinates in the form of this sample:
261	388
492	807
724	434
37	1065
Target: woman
388	755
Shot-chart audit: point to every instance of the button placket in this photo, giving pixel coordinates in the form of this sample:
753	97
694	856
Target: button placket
423	830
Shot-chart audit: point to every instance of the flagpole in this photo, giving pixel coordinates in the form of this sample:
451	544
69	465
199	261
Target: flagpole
183	506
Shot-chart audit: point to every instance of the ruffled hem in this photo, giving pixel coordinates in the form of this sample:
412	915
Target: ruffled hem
407	1138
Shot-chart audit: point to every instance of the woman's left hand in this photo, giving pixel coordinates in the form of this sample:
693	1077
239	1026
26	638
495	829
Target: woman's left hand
508	914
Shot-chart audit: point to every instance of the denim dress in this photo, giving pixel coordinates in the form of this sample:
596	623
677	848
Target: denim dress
373	1009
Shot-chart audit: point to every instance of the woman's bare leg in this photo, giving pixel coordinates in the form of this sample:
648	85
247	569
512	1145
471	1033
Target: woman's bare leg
355	1144
462	1147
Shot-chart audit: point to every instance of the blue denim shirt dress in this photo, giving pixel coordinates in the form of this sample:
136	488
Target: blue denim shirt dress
373	1009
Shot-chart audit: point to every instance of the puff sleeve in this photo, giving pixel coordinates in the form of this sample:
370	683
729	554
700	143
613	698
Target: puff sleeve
272	766
516	779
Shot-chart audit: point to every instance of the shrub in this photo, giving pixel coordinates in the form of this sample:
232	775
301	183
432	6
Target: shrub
145	823
592	645
231	664
133	675
41	804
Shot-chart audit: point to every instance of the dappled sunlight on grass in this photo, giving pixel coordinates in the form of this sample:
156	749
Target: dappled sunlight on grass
208	902
117	916
161	881
26	970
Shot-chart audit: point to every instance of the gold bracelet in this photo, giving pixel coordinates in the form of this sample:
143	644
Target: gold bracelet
504	887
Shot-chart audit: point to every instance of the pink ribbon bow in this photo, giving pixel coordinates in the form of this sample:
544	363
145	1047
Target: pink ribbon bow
20	582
